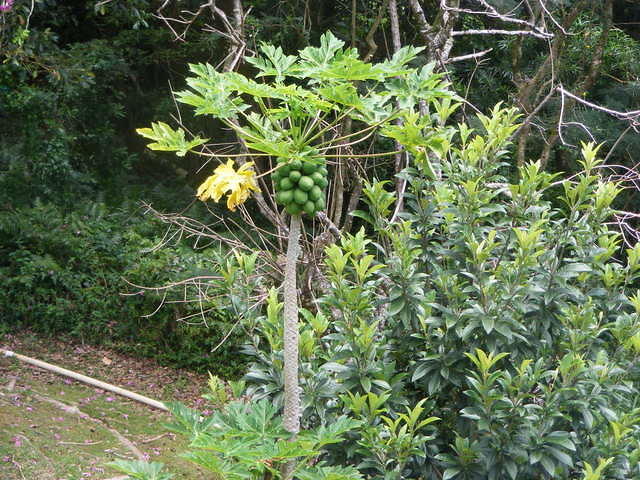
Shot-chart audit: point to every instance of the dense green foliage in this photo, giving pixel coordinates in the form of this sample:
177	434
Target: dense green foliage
69	274
488	331
504	309
76	80
73	87
511	317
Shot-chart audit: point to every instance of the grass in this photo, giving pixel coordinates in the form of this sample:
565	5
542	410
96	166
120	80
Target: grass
40	441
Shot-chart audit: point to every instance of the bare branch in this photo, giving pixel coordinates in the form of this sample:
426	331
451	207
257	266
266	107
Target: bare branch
373	46
630	116
585	85
335	231
533	113
531	33
553	20
531	88
491	12
616	143
469	56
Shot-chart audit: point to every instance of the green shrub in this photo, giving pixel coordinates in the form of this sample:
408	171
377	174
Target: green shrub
512	322
243	441
66	273
517	320
488	331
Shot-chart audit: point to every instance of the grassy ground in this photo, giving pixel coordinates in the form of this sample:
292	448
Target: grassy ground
39	440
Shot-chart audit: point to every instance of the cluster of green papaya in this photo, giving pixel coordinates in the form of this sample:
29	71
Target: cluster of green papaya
300	185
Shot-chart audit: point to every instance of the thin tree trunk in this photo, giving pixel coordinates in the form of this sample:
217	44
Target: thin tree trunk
370	39
291	418
586	84
421	21
337	196
528	87
353	203
398	159
395	25
354	15
238	44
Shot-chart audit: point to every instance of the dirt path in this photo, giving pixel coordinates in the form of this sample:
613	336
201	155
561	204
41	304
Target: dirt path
53	428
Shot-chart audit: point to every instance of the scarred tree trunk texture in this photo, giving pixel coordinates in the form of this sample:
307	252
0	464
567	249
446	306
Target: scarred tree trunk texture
291	418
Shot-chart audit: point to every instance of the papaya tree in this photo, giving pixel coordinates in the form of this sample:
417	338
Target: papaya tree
288	121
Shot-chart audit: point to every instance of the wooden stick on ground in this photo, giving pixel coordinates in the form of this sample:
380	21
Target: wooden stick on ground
83	378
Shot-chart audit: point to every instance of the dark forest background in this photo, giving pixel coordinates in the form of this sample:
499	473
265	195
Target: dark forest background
78	77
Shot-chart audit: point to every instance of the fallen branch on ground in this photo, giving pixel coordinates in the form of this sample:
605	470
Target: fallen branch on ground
85	379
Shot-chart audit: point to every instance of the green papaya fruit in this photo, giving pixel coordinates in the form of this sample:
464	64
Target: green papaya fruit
294	209
315	193
295	175
286	184
309	208
308	168
305	183
284	197
300	197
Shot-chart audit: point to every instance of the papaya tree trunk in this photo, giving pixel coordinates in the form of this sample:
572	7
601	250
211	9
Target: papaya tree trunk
291	389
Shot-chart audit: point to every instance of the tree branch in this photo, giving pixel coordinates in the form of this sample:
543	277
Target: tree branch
373	46
491	12
531	33
469	56
586	84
